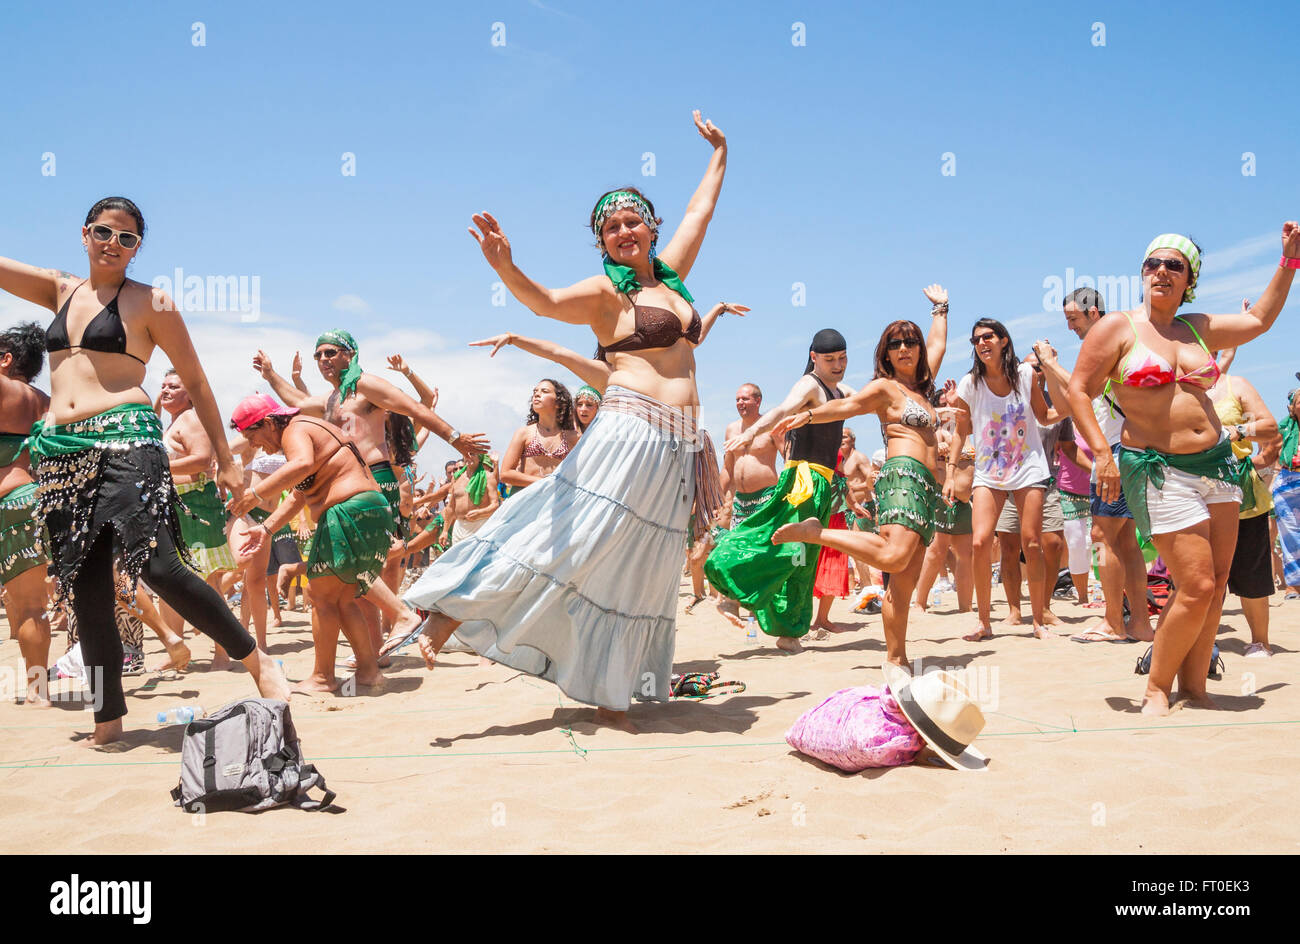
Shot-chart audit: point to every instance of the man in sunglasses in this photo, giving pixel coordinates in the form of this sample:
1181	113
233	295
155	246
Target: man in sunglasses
1123	568
360	403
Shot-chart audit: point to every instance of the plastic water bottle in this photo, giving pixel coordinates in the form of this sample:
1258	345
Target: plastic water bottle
182	714
936	597
1095	594
751	628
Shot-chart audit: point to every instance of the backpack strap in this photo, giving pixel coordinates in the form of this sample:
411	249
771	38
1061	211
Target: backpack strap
310	777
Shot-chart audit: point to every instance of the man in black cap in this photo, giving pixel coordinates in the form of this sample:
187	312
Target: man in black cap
776	581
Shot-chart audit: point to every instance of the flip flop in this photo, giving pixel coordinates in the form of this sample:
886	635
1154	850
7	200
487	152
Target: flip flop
410	637
1096	635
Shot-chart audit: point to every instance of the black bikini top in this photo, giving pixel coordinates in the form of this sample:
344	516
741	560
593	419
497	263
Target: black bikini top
655	328
310	480
104	333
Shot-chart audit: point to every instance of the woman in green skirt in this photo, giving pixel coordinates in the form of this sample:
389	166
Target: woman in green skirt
354	526
907	494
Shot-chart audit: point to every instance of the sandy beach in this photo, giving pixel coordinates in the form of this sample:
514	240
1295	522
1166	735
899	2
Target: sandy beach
475	758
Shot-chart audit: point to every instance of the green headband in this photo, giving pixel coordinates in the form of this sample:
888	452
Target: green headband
587	390
1187	248
352	373
624	200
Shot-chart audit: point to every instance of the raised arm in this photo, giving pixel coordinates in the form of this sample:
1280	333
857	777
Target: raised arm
685	245
716	312
1057	377
802	394
428	396
289	394
872	398
296	373
936	343
168	331
31	283
581	303
587	369
387	397
1224	331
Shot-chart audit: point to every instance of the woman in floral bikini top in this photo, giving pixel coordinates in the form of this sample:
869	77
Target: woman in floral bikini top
537	448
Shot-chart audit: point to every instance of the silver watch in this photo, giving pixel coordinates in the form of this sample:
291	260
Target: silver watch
453	436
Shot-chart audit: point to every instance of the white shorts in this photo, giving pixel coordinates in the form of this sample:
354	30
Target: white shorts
461	529
1185	500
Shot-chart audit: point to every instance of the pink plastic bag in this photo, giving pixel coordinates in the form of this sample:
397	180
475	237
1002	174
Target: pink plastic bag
856	728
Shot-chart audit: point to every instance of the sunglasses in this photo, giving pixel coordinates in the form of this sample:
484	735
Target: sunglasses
104	234
984	337
1173	265
328	353
899	343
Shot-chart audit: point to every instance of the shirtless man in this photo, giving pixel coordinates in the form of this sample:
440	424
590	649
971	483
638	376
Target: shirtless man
203	519
359	404
473	497
748	474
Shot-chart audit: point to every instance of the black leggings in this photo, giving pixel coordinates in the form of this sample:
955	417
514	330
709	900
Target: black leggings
182	589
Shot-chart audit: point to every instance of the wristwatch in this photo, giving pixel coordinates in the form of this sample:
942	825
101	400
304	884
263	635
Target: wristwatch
453	436
1241	432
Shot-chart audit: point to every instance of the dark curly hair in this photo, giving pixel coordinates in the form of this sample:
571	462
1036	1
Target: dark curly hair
591	220
117	203
26	342
399	431
905	329
1010	363
563	406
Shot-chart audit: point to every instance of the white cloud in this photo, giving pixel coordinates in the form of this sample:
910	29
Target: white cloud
352	304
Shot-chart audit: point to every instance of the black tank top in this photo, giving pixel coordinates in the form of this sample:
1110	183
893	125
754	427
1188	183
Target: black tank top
817	442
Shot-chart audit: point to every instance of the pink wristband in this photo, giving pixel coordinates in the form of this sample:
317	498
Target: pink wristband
1290	263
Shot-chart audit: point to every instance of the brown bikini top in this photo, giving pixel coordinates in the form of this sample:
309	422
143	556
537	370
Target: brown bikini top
655	328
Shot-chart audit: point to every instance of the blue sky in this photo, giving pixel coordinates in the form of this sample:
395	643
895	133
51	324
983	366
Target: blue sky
1067	155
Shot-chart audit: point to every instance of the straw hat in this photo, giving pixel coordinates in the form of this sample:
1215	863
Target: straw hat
942	711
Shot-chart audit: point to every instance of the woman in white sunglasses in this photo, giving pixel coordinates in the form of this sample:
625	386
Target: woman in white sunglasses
105	490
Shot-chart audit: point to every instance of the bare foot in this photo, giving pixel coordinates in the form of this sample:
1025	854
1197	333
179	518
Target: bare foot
1050	619
1042	632
370	680
1140	630
277	622
1197	700
615	719
221	664
267	675
808	531
106	732
178	656
429	651
983	631
318	683
788	643
833	627
1155	703
732	618
1013	619
351	662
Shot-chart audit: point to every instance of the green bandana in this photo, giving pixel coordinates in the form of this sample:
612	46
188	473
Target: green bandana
478	481
352	373
587	390
1290	431
624	277
1138	466
1186	247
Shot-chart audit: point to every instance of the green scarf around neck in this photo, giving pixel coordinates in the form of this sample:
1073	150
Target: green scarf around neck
1290	430
352	373
624	277
478	481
